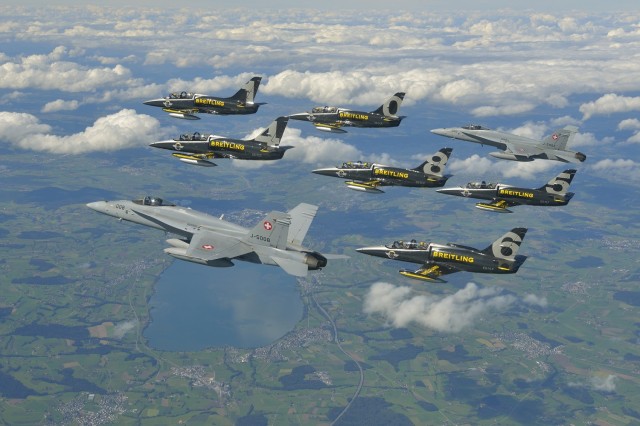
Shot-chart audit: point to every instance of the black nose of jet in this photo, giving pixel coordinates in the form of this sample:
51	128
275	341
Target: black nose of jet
171	145
155	102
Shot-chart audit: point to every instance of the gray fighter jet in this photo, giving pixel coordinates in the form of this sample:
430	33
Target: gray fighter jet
519	148
332	119
185	104
211	241
197	149
442	259
554	193
368	177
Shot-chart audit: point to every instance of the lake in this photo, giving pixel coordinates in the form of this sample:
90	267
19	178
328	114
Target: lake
196	307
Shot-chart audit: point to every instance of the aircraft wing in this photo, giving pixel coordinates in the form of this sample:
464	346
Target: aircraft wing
497	205
522	149
210	245
430	272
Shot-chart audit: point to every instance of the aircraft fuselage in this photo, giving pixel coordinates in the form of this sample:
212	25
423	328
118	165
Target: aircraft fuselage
203	104
218	147
385	175
346	117
512	194
450	255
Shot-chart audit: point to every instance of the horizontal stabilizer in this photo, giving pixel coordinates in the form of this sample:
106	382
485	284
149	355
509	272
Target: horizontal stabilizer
292	267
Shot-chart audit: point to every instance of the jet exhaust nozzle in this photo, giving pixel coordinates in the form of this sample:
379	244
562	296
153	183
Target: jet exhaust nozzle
315	261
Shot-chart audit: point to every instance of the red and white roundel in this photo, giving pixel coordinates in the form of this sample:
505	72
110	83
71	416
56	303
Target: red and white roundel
207	247
554	137
267	225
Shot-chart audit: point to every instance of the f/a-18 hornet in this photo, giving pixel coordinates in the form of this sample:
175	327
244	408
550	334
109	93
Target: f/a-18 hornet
198	149
332	119
185	104
519	148
211	241
442	259
554	193
368	177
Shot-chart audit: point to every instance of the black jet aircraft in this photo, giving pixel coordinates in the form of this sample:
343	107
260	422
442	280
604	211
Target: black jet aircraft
368	177
332	119
442	259
554	193
185	104
197	149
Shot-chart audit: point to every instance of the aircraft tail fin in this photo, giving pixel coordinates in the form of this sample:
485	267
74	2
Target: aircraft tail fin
391	106
247	93
301	217
272	231
272	134
506	247
435	164
560	138
559	185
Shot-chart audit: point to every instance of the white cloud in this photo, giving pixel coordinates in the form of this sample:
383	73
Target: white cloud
617	170
124	129
488	111
604	384
60	105
448	314
120	329
620	163
50	72
629	124
532	299
316	150
609	104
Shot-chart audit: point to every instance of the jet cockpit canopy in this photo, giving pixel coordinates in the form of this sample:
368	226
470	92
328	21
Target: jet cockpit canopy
481	185
324	109
411	245
153	201
356	165
195	136
475	127
181	95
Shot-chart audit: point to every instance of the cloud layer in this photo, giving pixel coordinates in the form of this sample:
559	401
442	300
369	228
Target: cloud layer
124	129
450	314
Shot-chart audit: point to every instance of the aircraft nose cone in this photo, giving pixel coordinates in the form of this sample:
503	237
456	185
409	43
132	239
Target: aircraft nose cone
300	116
171	145
373	251
450	191
441	132
330	171
99	206
155	102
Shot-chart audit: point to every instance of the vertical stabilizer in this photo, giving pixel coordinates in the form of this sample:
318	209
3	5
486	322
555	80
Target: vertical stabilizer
560	138
272	135
559	185
506	247
271	231
301	217
248	92
391	106
435	164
